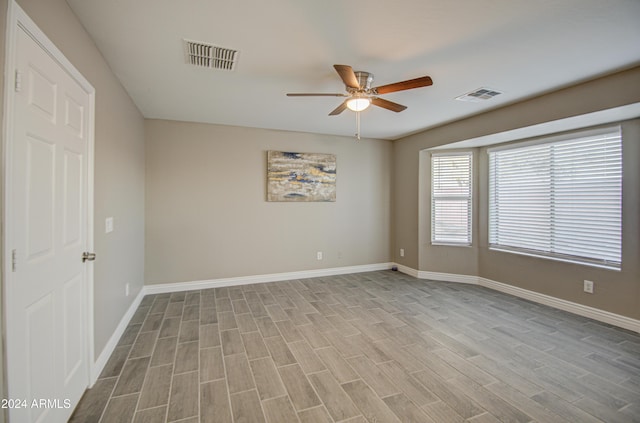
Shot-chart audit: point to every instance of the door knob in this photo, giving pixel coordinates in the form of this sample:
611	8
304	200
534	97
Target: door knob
86	256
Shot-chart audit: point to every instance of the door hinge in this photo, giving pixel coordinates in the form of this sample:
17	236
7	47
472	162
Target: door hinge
14	260
18	81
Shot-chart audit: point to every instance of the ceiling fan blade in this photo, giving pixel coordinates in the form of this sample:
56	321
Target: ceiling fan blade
315	95
347	75
386	104
424	81
341	108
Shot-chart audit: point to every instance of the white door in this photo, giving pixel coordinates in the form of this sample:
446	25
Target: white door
46	300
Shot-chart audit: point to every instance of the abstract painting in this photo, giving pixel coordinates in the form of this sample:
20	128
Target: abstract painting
301	176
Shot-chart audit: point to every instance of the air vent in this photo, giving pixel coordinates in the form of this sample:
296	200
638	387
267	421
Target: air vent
209	56
479	95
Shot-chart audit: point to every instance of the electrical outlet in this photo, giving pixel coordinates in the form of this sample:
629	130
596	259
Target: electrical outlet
126	290
319	255
401	252
588	286
339	255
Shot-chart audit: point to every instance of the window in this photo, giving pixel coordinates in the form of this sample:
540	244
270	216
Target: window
559	198
451	198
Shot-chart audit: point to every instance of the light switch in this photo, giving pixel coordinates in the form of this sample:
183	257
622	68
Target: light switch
108	225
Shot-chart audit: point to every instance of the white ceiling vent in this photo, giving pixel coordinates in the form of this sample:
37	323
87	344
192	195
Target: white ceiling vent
479	95
209	56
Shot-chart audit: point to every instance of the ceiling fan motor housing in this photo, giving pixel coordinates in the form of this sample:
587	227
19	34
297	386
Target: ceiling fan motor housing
364	80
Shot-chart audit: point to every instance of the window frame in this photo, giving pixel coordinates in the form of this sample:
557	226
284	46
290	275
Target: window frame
557	140
469	198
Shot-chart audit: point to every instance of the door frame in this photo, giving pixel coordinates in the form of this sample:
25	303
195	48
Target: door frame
17	20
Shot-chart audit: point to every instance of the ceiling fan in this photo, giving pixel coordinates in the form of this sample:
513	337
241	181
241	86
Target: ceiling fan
361	95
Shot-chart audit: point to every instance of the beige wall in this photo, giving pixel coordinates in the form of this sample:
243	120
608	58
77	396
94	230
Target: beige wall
207	216
119	167
618	292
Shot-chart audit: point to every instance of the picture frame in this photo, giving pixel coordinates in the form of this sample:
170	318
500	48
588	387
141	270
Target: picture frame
301	177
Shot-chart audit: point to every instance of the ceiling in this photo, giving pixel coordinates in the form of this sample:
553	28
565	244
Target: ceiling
521	47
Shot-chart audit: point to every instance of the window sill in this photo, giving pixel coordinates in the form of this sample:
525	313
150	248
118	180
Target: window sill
450	244
557	258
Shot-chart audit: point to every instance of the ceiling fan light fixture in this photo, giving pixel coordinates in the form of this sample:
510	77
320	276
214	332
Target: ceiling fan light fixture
358	104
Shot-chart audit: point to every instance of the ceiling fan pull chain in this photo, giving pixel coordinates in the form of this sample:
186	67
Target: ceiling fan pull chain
358	125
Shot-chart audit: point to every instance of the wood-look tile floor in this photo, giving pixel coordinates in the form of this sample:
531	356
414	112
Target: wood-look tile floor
377	347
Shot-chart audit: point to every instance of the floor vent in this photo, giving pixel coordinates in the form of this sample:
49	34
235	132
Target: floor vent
479	95
209	56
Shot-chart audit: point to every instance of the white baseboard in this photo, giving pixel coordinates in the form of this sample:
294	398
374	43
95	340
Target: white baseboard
101	361
448	277
571	307
409	271
274	277
536	297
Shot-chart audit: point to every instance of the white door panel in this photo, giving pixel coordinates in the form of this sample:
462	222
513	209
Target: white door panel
74	117
42	92
72	203
40	330
40	188
72	330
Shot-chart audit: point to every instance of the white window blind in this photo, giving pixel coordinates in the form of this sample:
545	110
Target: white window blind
451	198
561	199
